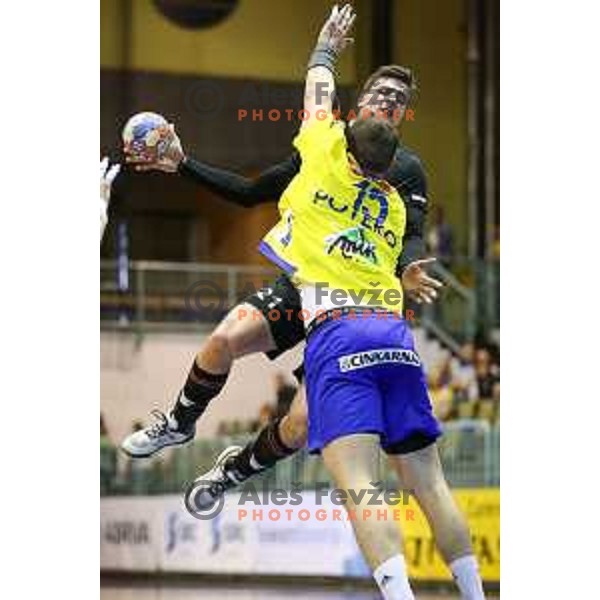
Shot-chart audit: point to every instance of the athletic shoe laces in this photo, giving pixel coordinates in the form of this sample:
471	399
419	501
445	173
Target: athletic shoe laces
160	427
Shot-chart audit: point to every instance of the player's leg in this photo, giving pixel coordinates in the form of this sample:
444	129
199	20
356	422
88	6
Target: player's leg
245	330
346	420
293	428
249	328
353	462
421	471
410	440
278	440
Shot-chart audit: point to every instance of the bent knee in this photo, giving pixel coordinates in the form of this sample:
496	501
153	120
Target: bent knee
234	338
218	347
246	335
299	424
295	429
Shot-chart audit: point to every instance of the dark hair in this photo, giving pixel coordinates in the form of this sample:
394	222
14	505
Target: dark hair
373	142
404	74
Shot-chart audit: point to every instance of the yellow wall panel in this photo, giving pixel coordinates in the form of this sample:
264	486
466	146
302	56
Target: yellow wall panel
431	38
111	33
481	508
265	39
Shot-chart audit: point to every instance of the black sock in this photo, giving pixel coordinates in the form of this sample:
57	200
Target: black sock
266	450
199	389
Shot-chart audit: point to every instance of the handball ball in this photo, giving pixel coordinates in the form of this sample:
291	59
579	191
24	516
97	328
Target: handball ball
146	136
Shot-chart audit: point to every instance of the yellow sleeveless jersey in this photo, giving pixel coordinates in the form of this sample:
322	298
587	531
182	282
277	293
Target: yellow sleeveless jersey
338	228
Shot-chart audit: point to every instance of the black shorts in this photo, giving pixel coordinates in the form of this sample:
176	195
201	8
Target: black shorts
415	442
281	305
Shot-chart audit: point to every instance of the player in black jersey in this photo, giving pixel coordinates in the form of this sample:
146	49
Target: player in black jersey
388	89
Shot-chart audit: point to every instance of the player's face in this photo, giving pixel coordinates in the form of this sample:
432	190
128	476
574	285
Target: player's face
386	94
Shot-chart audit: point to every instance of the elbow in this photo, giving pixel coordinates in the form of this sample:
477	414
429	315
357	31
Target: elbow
253	195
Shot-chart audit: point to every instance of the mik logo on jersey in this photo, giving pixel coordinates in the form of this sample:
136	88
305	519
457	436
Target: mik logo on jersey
352	242
361	360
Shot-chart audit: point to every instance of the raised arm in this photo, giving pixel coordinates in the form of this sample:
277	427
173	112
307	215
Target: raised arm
107	176
243	191
319	88
271	183
240	190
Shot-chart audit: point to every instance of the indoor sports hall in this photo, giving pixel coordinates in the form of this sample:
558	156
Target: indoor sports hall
177	255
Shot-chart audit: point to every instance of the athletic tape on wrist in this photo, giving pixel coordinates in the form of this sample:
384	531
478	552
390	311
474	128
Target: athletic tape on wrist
323	56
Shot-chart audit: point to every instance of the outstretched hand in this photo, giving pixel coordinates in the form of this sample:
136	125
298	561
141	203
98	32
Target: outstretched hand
417	284
334	33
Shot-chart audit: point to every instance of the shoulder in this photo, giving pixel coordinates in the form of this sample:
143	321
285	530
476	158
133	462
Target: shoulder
406	158
408	175
319	136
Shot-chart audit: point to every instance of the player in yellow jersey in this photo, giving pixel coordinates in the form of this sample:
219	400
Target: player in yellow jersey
365	383
330	209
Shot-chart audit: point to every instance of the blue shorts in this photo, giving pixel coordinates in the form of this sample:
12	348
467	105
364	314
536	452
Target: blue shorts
363	375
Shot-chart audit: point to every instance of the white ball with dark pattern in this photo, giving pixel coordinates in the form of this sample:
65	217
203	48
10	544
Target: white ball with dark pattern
145	136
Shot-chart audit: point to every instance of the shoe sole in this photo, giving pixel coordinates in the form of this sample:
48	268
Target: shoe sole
149	454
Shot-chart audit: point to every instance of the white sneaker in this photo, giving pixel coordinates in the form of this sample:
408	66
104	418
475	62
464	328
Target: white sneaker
164	432
207	489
